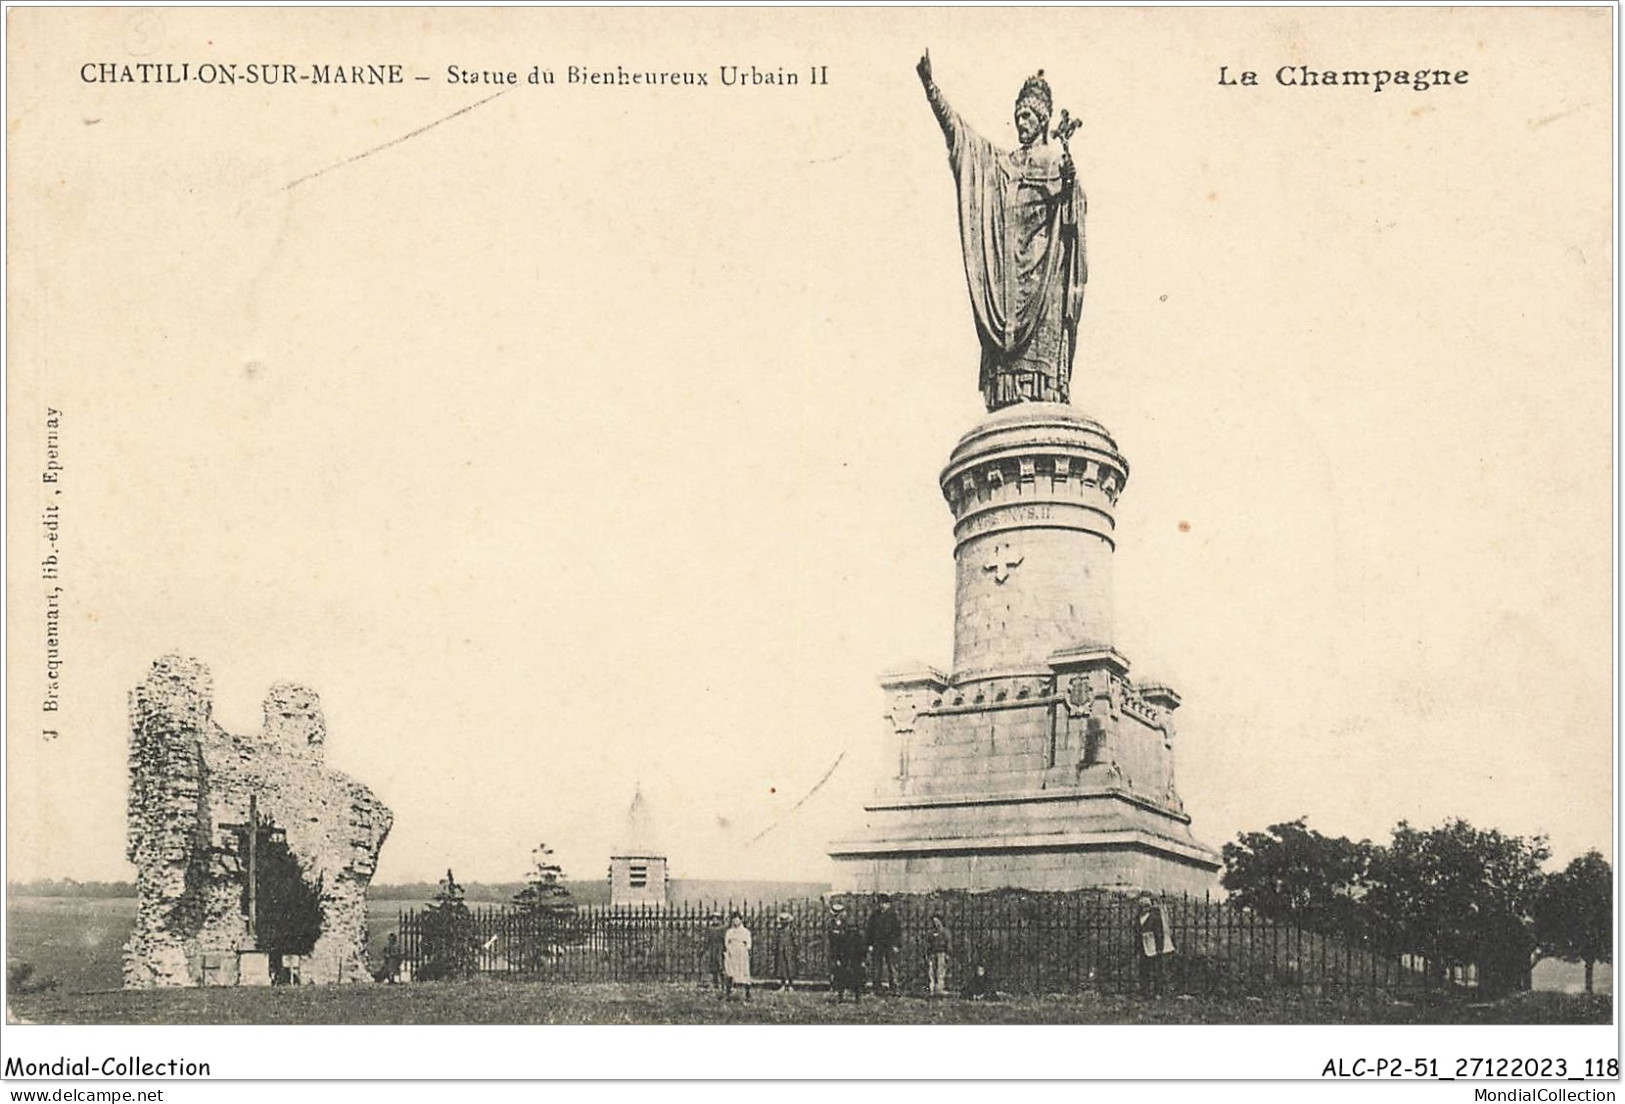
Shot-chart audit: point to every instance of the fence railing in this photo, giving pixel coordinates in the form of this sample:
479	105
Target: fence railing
1028	943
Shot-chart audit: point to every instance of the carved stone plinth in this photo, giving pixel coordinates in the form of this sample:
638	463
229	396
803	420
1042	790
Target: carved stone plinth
1038	762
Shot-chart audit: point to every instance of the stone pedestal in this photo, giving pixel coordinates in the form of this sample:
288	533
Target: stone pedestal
1038	762
253	968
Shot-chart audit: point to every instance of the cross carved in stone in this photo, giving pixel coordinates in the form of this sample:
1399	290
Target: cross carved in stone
1002	563
251	833
255	831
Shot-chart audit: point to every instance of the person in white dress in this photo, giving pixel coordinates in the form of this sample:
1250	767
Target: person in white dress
736	957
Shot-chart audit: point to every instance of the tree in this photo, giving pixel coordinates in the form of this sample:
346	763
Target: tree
544	890
1457	895
289	912
547	915
1574	913
449	944
1295	875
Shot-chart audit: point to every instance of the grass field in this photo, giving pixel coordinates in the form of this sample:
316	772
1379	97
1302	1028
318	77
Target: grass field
78	945
79	941
496	1001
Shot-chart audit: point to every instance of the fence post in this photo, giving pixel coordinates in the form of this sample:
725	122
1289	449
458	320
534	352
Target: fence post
1070	940
1195	917
1351	976
1275	951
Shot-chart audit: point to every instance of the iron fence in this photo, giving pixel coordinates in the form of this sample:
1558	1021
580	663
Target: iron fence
1026	943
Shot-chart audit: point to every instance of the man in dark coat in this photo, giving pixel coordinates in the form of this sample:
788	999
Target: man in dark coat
885	938
716	931
846	947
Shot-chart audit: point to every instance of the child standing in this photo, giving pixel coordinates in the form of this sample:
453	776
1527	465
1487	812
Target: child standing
786	951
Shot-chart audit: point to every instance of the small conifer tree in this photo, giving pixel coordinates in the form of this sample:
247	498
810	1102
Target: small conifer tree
546	912
449	943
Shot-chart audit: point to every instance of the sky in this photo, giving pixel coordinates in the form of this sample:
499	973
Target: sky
586	438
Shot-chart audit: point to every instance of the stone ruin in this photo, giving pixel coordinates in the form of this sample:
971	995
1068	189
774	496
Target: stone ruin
252	858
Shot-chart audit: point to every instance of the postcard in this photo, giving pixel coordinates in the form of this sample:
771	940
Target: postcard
1097	519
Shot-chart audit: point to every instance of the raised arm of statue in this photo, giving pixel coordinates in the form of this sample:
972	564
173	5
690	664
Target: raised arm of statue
946	119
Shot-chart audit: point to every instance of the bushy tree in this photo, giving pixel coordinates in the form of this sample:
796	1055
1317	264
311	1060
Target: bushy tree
546	913
448	943
1574	913
1295	875
1456	895
290	908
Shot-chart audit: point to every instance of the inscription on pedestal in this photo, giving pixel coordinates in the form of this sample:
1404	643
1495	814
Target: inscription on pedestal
1009	515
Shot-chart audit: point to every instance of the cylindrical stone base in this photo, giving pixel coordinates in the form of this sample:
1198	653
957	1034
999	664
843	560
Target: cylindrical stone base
1033	491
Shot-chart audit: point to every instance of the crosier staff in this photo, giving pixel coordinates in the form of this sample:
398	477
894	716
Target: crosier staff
1065	127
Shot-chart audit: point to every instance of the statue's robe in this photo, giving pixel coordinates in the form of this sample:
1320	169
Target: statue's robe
1021	233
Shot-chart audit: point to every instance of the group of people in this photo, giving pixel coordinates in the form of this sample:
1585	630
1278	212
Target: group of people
856	950
880	942
851	947
728	947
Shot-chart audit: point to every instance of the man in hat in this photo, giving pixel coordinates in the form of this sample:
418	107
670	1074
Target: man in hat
885	939
1153	939
1021	236
845	955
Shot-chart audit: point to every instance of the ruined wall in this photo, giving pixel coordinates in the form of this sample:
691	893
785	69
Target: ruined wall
190	788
